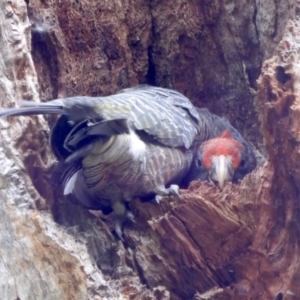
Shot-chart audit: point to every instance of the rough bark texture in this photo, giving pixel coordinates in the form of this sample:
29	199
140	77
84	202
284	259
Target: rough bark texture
240	59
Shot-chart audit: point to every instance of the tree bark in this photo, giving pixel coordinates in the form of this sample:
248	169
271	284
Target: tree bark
238	58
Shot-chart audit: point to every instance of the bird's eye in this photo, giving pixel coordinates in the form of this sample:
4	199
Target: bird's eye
198	162
242	163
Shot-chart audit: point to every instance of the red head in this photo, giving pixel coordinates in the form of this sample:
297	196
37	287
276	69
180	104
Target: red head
221	156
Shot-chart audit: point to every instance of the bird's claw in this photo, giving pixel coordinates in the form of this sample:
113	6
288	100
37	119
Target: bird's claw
120	221
118	230
158	198
130	216
173	190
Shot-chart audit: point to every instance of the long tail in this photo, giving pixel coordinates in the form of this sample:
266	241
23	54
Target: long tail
33	108
77	108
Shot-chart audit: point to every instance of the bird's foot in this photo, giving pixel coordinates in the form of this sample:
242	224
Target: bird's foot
118	229
158	198
120	222
130	216
161	191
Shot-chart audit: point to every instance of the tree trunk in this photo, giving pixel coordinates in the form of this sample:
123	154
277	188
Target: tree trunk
238	58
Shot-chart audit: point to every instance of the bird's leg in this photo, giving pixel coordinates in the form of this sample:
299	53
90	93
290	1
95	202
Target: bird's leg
129	215
122	215
162	191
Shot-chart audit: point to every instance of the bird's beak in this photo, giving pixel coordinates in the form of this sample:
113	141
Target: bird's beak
221	170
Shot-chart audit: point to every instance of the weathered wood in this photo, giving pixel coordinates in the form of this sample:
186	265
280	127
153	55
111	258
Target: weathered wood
238	243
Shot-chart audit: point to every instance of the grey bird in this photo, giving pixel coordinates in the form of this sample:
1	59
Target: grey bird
142	142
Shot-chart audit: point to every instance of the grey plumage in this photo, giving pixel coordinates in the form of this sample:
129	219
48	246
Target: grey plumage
139	142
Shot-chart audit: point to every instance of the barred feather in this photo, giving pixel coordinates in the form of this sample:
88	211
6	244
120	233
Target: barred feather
126	145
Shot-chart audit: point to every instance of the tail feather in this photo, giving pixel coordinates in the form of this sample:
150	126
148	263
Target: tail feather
33	108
